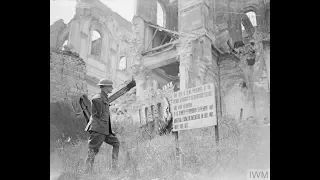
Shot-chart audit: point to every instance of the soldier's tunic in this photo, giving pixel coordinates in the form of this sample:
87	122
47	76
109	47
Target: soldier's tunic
100	115
100	130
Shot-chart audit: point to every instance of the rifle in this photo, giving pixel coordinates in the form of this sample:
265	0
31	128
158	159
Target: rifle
85	106
122	91
85	103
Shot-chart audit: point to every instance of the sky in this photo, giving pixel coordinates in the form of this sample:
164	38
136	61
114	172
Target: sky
65	9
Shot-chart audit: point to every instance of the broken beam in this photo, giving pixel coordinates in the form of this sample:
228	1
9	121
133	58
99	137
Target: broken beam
154	34
173	32
163	29
164	39
159	47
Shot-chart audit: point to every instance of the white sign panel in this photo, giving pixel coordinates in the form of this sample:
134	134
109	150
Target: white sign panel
194	108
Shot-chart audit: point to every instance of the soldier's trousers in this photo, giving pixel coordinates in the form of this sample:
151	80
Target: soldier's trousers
95	141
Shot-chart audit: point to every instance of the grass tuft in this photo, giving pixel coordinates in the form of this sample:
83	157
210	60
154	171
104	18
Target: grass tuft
242	146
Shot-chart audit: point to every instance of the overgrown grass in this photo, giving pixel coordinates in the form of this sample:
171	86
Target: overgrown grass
239	149
64	125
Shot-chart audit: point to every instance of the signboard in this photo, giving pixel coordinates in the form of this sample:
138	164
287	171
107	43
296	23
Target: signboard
194	108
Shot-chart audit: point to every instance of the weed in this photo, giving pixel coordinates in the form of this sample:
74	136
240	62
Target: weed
141	158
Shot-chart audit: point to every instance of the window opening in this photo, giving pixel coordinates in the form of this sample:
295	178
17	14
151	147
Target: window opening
252	16
123	63
160	15
64	44
96	43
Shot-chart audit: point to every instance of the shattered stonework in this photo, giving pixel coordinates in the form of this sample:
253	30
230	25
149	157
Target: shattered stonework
198	42
102	55
185	58
67	76
211	47
67	84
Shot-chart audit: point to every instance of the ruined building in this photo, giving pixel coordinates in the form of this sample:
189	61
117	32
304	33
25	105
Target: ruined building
185	42
101	38
194	42
93	45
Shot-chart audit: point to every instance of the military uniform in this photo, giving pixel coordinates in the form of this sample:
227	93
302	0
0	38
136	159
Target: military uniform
100	131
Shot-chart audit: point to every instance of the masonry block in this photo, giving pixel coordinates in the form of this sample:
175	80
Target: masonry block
194	18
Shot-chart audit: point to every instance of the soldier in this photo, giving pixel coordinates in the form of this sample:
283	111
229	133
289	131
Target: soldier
99	126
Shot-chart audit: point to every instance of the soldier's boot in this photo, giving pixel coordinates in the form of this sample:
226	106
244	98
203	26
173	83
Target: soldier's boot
114	163
90	161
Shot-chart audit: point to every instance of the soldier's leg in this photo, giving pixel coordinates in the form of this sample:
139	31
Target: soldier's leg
115	143
94	143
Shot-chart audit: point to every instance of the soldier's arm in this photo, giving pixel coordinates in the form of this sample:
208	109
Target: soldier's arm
96	108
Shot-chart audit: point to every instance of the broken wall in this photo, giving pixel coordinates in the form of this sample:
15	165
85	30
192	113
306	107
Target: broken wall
260	76
251	74
56	30
115	32
67	83
194	15
253	65
147	12
67	76
243	86
236	100
221	9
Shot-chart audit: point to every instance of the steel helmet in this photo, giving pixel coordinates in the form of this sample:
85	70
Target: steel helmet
105	82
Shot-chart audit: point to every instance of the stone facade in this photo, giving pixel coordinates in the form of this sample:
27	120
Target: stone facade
101	56
78	62
67	76
67	84
203	42
200	42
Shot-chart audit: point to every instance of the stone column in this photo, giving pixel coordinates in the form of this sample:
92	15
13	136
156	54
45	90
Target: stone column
195	61
142	115
138	31
194	50
84	39
79	34
235	27
155	84
194	15
185	59
137	46
140	84
204	57
74	35
266	55
146	9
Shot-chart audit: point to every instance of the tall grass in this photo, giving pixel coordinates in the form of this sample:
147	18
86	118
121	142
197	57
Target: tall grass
141	158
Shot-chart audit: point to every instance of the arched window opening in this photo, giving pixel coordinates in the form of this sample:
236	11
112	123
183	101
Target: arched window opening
253	19
123	63
248	24
96	43
244	33
161	15
64	44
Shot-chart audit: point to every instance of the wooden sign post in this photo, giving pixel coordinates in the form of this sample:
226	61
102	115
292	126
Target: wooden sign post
193	108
